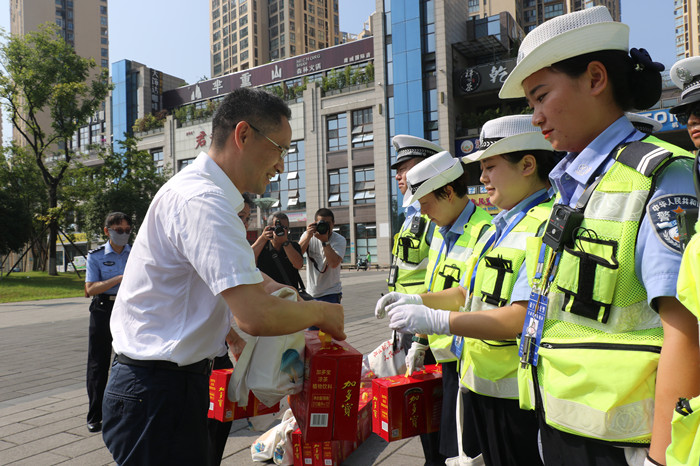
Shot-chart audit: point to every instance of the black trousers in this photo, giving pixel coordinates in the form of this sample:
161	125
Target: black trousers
448	423
99	356
507	434
561	448
218	431
429	442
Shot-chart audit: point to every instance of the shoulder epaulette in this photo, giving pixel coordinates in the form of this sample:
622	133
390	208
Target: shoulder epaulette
96	249
643	157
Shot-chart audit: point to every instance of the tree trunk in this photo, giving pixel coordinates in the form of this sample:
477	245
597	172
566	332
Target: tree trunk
53	230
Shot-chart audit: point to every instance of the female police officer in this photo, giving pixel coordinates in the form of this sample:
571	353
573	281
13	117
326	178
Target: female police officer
515	161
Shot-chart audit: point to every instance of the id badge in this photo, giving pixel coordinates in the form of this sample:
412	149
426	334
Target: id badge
393	272
532	329
457	346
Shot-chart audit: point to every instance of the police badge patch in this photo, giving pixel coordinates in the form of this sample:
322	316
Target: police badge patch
662	212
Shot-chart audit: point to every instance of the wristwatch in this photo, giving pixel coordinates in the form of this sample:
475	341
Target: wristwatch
286	243
422	341
324	243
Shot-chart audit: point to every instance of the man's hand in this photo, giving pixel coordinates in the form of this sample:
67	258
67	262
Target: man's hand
333	319
415	357
393	299
235	344
416	318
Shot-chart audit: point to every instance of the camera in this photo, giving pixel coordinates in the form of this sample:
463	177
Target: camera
279	228
322	227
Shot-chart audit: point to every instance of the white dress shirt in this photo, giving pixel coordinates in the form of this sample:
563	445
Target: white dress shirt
190	247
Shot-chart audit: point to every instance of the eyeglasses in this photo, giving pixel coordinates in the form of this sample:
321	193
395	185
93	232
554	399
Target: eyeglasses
283	151
692	109
121	231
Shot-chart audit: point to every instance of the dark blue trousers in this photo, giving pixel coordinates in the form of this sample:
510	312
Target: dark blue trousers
98	360
154	416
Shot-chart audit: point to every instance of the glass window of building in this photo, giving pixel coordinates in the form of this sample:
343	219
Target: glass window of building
157	155
337	132
366	240
362	132
183	163
95	136
363	185
338	187
84	137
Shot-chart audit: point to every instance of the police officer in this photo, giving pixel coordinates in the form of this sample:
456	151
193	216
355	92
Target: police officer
410	260
439	183
105	266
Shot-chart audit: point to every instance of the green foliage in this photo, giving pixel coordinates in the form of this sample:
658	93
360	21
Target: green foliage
150	121
190	113
126	182
42	75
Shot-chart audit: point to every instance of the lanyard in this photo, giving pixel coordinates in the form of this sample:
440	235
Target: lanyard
518	218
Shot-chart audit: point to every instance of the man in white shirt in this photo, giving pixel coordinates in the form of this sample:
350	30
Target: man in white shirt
325	250
191	266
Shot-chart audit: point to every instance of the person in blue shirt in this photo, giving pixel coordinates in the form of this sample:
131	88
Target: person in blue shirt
515	162
105	267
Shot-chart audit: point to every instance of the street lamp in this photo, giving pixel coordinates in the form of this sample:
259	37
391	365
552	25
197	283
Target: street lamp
264	204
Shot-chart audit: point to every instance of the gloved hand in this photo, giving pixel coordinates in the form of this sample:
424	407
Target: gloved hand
415	358
650	462
392	299
416	318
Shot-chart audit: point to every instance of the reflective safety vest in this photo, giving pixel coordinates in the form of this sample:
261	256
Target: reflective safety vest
446	270
490	367
601	341
411	246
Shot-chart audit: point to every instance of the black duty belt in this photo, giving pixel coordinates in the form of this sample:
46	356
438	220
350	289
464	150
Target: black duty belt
202	367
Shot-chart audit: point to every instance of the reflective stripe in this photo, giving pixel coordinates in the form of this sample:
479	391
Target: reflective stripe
638	316
616	207
516	240
412	267
503	388
619	423
440	347
459	252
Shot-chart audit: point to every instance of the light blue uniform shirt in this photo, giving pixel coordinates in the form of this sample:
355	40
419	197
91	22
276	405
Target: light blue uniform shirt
656	265
410	211
452	232
104	263
521	288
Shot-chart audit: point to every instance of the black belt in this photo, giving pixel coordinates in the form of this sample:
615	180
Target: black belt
202	367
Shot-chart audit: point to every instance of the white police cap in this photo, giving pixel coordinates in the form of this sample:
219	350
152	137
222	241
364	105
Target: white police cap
508	134
431	174
642	123
686	75
408	147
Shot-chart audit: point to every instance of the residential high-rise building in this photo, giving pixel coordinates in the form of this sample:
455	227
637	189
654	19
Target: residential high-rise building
248	33
687	28
84	25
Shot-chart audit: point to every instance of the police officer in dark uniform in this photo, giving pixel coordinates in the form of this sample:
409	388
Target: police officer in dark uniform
105	266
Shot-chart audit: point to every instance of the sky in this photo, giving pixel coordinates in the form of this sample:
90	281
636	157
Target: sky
173	36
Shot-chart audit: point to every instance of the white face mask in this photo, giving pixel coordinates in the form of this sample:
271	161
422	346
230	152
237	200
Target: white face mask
119	239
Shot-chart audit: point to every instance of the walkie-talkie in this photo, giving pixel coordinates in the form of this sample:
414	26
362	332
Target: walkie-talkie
561	225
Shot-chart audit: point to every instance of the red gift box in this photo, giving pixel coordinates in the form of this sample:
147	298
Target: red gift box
224	410
405	406
326	408
334	452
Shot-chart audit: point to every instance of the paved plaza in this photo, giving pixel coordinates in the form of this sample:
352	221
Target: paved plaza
43	402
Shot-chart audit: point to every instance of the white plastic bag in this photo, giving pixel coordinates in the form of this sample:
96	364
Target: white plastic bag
271	367
276	443
388	358
462	459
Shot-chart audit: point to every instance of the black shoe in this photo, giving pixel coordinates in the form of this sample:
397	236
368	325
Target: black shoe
94	426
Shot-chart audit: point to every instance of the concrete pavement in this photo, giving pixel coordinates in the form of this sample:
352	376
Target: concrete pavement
43	402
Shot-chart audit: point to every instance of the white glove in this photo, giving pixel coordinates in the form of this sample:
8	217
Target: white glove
390	300
416	318
649	462
415	357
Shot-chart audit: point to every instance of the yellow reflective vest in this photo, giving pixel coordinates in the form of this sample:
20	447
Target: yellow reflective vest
410	253
490	367
445	270
601	341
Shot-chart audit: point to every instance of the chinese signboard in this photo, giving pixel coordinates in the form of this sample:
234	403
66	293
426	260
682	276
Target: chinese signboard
482	78
314	62
156	90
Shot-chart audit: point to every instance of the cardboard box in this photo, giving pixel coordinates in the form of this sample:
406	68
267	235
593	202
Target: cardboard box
326	408
334	452
224	410
403	406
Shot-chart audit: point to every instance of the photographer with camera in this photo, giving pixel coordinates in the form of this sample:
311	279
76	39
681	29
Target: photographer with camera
325	250
276	255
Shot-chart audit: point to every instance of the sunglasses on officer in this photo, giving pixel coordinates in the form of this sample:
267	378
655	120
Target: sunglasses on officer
691	109
120	231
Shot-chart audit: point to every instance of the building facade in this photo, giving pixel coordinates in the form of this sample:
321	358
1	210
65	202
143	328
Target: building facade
248	33
687	28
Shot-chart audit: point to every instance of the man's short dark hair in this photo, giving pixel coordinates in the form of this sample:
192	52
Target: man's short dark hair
323	212
115	218
256	106
279	216
459	186
248	201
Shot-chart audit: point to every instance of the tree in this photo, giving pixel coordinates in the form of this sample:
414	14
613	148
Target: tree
126	182
44	78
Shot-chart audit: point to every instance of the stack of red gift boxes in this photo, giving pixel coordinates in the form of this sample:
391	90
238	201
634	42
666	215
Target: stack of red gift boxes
405	406
224	410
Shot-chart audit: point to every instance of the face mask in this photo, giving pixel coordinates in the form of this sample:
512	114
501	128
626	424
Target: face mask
119	239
